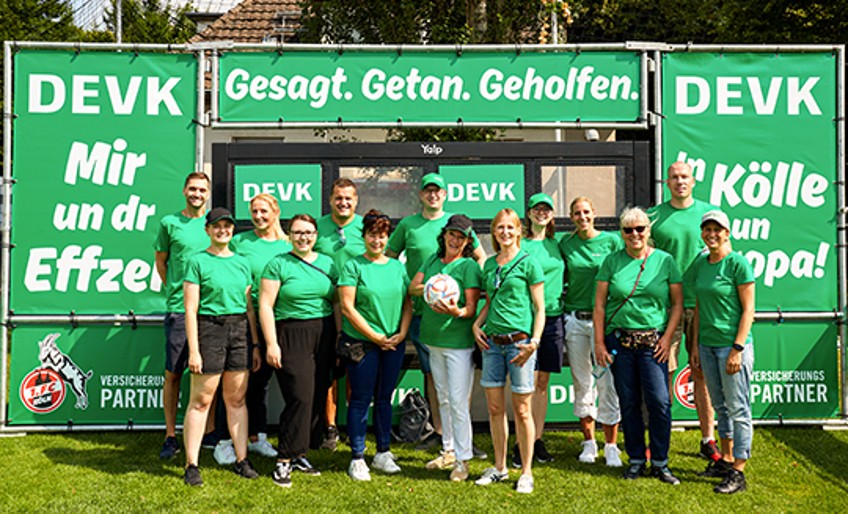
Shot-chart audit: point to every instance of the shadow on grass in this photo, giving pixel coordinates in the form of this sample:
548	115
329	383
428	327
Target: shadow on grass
821	448
114	453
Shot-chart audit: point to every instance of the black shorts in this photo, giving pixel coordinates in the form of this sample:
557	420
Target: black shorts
549	353
176	346
223	343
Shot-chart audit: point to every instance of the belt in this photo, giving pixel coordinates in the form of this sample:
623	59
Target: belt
583	315
509	338
222	319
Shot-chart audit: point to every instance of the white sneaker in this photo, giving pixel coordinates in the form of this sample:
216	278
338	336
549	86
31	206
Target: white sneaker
224	452
385	462
262	446
524	485
359	471
589	453
613	456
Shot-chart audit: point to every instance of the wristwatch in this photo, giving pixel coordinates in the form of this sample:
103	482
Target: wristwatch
738	347
535	342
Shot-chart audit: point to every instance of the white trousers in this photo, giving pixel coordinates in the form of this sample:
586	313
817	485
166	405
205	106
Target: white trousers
453	376
580	340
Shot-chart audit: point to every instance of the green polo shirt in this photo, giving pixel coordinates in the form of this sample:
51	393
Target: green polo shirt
380	292
342	245
716	287
444	330
648	307
222	280
511	308
180	237
583	258
305	292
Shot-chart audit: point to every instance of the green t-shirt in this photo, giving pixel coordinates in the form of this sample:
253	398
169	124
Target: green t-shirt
511	309
582	259
678	232
340	249
180	237
258	253
719	308
547	254
222	281
305	292
380	291
444	330
418	238
648	307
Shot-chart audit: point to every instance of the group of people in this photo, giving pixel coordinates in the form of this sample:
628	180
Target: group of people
331	299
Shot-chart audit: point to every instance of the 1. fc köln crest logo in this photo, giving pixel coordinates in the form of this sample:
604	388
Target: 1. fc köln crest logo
43	389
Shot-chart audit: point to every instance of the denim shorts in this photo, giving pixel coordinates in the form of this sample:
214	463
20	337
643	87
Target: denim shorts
496	366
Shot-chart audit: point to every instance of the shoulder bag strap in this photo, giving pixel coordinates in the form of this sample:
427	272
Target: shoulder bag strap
632	291
304	261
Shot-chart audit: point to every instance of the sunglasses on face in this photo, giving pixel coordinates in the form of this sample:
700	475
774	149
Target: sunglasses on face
629	230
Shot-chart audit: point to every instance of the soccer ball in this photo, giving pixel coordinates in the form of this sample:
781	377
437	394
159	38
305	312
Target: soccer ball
440	286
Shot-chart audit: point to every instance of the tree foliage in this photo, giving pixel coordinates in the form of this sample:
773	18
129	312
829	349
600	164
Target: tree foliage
151	21
420	21
719	21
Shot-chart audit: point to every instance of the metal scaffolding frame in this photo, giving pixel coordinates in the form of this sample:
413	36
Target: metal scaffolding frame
649	119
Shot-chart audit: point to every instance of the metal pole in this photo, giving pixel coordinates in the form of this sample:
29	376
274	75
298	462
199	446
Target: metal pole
119	23
841	256
213	98
200	126
6	239
658	128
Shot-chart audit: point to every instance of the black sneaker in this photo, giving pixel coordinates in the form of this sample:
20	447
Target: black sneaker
170	448
541	453
516	457
192	476
732	483
282	474
434	441
710	451
304	466
245	470
331	439
665	475
717	469
635	470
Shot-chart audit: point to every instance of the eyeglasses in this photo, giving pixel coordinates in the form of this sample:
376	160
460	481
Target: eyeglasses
629	230
498	277
304	233
342	239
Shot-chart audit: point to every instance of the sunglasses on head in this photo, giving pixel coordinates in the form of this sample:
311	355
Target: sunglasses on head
629	230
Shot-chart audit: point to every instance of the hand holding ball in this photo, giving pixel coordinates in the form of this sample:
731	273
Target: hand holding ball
441	287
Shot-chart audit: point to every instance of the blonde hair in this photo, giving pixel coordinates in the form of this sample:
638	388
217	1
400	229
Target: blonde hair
513	217
578	200
275	209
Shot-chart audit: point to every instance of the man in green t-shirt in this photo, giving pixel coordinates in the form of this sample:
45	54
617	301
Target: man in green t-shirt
340	238
676	228
416	235
180	236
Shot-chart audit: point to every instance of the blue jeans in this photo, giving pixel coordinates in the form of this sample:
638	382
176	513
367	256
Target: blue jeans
638	376
497	365
730	395
374	377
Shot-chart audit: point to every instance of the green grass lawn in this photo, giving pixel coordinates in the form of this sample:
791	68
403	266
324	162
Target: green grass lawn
793	469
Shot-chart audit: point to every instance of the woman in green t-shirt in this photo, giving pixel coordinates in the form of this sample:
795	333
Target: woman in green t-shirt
540	242
508	330
377	312
446	330
723	282
219	313
638	304
584	250
296	306
259	246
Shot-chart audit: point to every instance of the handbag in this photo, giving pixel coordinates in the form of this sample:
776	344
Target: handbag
637	339
351	349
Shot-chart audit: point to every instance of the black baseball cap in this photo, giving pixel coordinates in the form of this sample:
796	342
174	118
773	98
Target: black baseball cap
217	214
460	223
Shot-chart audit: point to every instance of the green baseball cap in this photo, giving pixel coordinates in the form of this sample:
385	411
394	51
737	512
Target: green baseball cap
433	179
540	198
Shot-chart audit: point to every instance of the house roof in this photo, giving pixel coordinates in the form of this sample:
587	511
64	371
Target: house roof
255	21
